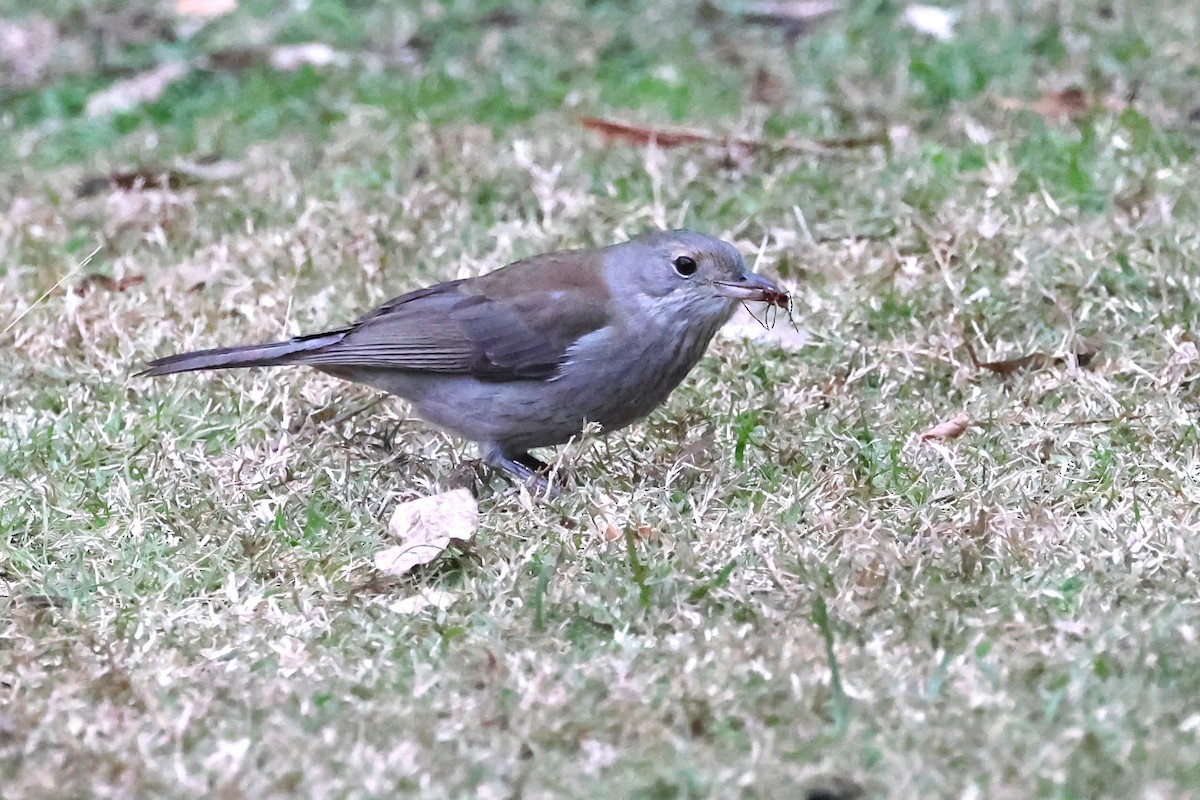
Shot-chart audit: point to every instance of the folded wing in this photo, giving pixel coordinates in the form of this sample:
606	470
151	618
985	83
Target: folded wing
515	323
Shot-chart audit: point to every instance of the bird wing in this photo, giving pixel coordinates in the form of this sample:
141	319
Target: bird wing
494	327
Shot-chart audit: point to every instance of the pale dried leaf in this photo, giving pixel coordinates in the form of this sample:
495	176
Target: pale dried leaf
930	20
949	429
606	523
402	559
430	598
426	527
1064	104
204	9
212	171
289	58
452	515
145	87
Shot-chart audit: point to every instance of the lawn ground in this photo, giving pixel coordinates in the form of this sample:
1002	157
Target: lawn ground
772	588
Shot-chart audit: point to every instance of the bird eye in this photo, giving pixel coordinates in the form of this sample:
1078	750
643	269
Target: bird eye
685	266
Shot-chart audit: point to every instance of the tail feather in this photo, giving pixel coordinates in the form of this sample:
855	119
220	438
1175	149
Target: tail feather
269	354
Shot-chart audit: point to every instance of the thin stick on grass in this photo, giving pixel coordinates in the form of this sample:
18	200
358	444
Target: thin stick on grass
52	289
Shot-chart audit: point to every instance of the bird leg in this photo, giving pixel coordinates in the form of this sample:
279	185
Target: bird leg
523	467
531	461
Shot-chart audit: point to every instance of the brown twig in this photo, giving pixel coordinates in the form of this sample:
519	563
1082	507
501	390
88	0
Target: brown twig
676	137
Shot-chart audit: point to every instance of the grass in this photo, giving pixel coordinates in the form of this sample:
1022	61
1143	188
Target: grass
802	598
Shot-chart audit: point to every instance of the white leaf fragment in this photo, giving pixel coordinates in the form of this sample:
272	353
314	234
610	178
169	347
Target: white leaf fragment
291	57
430	598
931	21
426	527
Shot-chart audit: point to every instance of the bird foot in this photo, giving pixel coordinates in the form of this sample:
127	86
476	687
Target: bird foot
525	469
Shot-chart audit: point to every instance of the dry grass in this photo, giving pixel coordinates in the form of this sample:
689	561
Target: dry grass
800	592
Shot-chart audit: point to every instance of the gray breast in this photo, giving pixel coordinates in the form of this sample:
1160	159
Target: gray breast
624	386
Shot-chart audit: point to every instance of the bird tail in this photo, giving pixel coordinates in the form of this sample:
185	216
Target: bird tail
251	355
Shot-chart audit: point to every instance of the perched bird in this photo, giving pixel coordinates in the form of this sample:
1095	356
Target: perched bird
525	356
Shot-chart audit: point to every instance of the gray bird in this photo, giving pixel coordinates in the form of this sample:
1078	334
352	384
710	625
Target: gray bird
525	356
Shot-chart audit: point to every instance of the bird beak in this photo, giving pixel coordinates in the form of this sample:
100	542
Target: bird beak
753	287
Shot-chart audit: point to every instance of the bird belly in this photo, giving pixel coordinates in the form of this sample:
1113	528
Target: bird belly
516	414
600	383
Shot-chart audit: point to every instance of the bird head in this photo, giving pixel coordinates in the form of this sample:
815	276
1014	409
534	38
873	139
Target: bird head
686	275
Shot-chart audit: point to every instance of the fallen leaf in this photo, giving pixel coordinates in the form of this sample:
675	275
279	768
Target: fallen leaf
630	133
930	20
145	87
1064	104
204	9
426	528
949	429
609	532
291	57
430	598
211	170
604	520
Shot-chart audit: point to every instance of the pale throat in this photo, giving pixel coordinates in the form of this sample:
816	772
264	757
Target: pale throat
675	310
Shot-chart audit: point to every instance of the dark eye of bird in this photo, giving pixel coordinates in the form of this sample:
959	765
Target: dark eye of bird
685	266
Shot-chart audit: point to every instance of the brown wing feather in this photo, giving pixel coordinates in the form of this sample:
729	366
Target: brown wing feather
495	327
